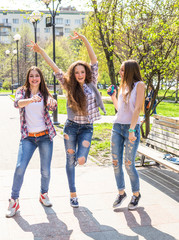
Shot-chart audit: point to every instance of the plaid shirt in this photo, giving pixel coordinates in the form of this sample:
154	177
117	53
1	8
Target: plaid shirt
20	94
92	108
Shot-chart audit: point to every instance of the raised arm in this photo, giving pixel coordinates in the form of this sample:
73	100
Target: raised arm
36	48
89	48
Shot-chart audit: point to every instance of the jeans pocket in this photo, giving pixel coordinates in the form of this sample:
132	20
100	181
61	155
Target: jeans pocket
68	123
89	126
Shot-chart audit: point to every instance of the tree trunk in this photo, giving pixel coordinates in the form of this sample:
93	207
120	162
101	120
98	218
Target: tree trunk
176	96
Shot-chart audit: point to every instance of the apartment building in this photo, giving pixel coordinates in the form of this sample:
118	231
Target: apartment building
67	19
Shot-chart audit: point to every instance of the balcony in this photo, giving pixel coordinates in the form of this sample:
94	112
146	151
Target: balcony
4	33
59	34
8	25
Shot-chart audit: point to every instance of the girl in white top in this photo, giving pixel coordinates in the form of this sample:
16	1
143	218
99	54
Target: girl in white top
37	131
126	129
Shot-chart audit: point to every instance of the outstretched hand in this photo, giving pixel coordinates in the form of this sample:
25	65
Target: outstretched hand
51	102
35	47
76	36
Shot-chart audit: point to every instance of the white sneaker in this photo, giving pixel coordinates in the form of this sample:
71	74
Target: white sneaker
13	207
44	199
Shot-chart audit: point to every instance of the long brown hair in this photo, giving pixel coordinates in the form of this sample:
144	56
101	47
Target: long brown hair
131	75
42	88
75	94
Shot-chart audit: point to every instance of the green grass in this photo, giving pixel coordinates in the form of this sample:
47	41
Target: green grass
103	92
169	96
12	96
100	144
164	108
62	106
5	91
168	109
108	106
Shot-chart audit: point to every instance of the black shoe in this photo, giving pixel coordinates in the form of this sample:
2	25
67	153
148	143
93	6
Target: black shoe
119	200
134	202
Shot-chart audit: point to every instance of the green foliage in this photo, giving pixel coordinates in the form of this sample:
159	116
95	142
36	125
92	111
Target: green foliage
6	85
144	31
65	56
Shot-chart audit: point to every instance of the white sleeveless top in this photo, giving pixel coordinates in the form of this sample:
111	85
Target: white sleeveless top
34	116
126	110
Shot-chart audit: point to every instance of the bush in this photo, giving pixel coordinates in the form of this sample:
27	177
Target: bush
6	85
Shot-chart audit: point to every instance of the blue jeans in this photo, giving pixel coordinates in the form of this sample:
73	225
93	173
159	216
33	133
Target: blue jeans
77	139
119	139
27	147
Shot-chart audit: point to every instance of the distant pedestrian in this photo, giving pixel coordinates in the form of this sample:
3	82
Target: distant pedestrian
149	98
37	131
126	130
83	100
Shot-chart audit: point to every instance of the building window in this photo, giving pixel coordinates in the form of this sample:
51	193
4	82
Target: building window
15	29
15	20
4	30
67	30
59	20
25	20
5	20
67	22
78	21
46	30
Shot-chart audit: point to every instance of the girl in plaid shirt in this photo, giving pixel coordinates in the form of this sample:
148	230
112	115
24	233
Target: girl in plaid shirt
83	102
37	131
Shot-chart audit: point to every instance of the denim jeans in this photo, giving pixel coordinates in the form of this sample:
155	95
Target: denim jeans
119	139
27	147
77	139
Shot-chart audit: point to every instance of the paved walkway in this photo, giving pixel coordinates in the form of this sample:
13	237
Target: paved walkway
157	217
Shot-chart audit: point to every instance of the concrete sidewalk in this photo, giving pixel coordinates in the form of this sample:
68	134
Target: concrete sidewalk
157	217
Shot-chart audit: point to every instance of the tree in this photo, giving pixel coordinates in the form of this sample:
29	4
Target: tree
26	57
104	23
146	31
152	39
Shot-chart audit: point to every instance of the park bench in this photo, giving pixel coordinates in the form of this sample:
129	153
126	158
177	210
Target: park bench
163	138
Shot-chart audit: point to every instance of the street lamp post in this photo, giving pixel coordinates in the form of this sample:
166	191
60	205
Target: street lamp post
34	18
14	53
17	37
53	14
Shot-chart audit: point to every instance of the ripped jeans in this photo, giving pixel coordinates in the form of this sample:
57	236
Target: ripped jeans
119	139
77	139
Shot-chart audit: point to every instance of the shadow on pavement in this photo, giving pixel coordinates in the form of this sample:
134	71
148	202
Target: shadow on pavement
54	229
92	228
164	180
144	228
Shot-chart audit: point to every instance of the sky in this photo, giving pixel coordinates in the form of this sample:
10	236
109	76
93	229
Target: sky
81	5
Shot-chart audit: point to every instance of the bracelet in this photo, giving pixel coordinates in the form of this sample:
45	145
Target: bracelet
132	130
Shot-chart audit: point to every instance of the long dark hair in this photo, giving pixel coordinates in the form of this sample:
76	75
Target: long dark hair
42	88
131	75
75	94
